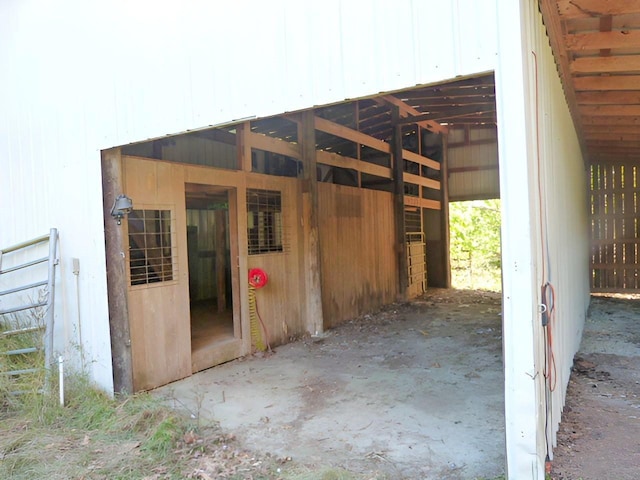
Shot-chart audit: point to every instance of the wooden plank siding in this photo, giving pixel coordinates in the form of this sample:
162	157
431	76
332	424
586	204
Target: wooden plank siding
615	229
359	268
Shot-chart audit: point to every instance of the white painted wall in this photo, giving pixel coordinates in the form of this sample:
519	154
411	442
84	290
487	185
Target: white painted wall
80	76
545	236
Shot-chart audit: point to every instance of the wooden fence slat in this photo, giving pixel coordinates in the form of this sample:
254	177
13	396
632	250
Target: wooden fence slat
615	238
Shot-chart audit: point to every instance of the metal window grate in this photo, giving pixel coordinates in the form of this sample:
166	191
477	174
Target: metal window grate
264	218
150	246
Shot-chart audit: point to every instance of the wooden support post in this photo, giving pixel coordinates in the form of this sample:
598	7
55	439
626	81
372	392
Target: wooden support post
220	218
243	149
313	275
398	206
444	215
112	186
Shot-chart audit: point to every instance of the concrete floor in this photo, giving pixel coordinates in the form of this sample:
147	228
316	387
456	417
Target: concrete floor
414	391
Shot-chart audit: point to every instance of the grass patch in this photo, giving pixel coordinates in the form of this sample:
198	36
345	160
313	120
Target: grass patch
28	384
93	436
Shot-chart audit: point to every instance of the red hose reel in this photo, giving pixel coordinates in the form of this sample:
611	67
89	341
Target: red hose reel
258	278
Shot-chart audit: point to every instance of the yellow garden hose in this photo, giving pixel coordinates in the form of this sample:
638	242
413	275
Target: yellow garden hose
256	323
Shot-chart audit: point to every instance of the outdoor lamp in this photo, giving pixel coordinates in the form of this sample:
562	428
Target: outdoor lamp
121	207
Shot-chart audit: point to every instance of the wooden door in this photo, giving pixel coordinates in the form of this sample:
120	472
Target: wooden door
156	262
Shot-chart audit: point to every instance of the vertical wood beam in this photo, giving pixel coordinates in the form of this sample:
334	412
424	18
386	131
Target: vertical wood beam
444	214
241	262
398	206
313	274
112	186
243	149
221	259
234	236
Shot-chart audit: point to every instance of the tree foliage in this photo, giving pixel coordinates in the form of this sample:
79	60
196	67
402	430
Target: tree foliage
475	244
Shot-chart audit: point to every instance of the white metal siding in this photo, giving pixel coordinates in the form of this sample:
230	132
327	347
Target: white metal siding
536	135
80	76
473	184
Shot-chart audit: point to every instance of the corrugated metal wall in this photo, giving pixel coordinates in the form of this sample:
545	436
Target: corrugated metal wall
470	178
545	236
80	76
472	157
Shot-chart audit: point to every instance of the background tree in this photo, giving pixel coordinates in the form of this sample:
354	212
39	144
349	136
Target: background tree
475	244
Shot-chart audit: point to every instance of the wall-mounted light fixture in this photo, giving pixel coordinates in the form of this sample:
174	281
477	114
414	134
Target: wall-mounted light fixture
121	207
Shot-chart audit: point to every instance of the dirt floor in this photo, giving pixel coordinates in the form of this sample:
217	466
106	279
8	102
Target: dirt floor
413	391
599	437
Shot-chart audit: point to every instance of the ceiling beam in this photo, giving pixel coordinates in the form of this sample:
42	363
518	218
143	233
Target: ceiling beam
613	137
451	114
614	147
412	112
600	40
610	110
622	82
591	129
569	9
624	97
624	63
549	10
615	120
483	91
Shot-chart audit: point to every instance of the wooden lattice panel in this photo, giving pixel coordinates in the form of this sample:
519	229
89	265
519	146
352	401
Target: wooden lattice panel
615	229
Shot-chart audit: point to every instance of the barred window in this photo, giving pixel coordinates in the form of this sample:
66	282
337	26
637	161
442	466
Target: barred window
264	218
150	253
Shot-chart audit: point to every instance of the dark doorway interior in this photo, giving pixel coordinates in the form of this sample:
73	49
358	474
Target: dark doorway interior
210	286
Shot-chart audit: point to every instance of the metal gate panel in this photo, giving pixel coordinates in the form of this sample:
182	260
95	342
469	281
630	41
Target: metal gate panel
416	252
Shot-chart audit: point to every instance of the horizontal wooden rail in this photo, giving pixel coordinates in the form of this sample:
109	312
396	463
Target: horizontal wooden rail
347	133
421	202
426	161
335	160
422	181
273	145
472	168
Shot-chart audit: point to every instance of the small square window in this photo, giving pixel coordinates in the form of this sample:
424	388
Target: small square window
150	252
264	218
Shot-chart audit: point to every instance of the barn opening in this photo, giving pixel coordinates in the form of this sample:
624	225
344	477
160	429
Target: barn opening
475	245
345	209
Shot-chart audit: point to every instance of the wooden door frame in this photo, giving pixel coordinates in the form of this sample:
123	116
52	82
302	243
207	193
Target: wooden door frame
240	331
117	291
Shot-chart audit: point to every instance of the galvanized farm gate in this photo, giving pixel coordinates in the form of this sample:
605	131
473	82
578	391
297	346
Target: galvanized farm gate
26	303
416	252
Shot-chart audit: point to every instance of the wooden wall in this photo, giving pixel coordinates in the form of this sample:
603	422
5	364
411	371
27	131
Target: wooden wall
615	231
154	310
359	271
280	302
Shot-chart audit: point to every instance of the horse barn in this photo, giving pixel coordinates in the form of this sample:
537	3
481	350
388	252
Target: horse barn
183	154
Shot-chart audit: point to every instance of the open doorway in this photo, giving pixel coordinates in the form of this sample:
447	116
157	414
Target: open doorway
210	241
475	245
